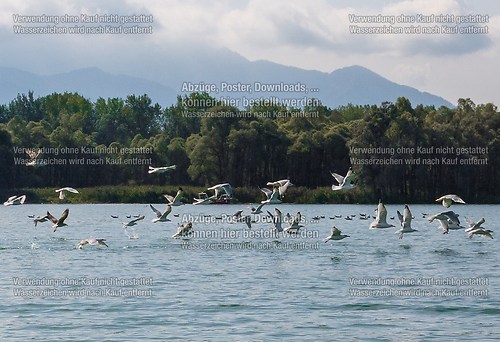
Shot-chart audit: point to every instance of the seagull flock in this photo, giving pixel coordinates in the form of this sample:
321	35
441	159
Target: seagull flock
285	224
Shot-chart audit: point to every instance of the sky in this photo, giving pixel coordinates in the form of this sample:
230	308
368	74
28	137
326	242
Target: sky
312	34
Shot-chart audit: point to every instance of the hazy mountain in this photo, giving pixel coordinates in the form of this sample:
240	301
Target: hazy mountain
354	84
89	82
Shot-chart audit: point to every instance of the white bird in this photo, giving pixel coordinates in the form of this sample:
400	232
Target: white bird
405	220
161	217
476	229
161	169
183	230
474	225
175	201
481	231
345	182
381	219
448	200
204	200
335	234
58	222
281	185
277	220
272	197
62	192
223	189
295	225
444	219
34	161
15	200
92	242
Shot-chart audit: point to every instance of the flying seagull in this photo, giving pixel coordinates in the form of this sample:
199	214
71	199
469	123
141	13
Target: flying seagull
295	225
481	231
15	200
161	217
132	222
183	231
277	220
272	197
58	223
335	234
34	161
474	225
448	200
62	192
381	219
175	201
445	218
161	169
345	182
92	242
281	185
405	220
476	229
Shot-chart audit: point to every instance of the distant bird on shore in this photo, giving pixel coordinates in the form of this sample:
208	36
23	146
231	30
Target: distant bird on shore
345	182
405	220
92	242
448	200
15	200
62	192
381	218
335	234
161	217
58	223
161	169
175	201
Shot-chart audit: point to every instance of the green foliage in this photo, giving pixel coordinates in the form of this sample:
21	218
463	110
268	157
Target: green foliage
211	143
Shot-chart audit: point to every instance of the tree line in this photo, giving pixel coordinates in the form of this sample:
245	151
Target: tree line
398	152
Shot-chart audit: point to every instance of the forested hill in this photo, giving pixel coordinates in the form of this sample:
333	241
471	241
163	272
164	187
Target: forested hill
399	152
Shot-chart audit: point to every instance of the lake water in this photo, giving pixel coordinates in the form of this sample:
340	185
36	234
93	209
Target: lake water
227	284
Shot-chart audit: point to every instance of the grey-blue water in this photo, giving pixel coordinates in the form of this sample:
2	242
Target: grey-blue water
225	284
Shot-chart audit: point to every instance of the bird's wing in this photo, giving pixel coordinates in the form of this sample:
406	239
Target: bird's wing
64	216
156	211
382	212
137	219
169	198
167	211
400	217
456	199
51	217
452	216
267	192
338	178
